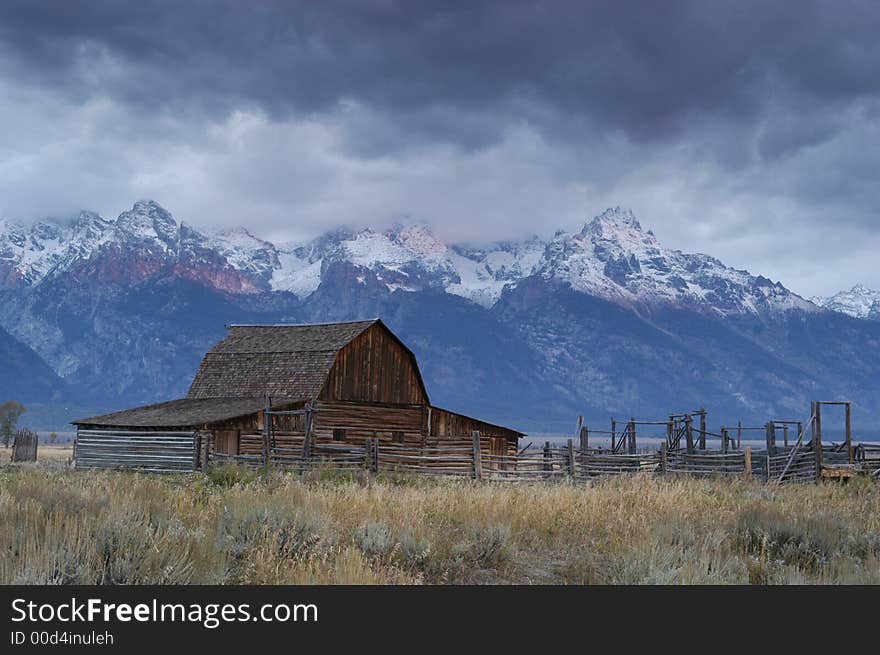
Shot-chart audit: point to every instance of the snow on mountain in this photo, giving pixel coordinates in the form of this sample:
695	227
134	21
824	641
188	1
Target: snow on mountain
247	253
141	242
484	272
407	257
859	302
612	257
29	253
299	270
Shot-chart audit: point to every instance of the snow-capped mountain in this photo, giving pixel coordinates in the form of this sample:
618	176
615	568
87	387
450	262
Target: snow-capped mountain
144	242
859	302
604	320
612	257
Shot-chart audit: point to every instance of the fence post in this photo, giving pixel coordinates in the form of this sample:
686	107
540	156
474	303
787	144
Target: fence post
585	438
548	463
197	447
747	460
848	432
368	453
307	439
663	456
725	438
632	436
206	449
817	439
702	428
571	468
670	436
267	418
689	434
478	460
739	434
613	433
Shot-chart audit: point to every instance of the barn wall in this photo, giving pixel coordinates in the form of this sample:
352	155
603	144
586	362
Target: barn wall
361	421
244	435
148	450
374	368
449	424
446	423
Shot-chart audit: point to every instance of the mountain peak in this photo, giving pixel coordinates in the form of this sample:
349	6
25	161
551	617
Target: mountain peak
614	217
147	206
418	238
147	218
859	302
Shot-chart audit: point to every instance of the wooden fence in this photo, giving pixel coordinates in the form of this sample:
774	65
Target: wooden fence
24	448
469	457
705	463
867	458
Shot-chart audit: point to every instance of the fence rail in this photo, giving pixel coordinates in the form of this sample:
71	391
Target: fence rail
462	456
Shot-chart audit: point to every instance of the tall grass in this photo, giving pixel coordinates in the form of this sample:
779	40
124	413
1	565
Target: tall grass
232	527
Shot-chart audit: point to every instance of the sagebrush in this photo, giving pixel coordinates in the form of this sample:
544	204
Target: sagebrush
246	527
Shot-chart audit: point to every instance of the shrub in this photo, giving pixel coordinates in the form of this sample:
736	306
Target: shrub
374	539
487	546
230	474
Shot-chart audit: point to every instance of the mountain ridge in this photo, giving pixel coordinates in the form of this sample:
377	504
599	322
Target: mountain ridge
611	257
858	302
603	320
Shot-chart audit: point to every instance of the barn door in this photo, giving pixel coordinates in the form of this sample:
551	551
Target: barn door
498	447
226	442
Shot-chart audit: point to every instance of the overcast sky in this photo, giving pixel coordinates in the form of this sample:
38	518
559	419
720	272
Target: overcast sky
748	130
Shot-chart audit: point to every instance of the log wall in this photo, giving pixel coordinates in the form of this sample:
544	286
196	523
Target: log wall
157	452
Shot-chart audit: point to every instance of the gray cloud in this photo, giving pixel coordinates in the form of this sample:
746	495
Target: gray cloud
730	127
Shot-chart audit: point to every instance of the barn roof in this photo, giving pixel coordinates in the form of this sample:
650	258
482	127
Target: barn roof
285	361
185	412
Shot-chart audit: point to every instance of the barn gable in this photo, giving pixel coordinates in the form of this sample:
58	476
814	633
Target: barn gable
375	367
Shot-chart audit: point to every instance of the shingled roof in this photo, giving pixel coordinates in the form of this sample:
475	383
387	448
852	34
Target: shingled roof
287	361
183	413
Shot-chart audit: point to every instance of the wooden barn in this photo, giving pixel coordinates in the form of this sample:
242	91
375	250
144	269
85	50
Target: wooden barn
333	384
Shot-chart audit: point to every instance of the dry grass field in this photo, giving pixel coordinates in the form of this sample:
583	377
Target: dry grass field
45	453
236	526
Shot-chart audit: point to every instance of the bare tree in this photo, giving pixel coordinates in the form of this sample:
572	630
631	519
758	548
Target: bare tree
10	412
53	437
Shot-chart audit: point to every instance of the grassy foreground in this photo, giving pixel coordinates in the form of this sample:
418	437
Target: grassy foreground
63	526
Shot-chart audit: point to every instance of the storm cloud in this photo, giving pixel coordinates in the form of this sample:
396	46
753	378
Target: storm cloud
748	130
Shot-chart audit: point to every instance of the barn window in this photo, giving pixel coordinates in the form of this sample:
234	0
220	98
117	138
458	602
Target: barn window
338	434
397	436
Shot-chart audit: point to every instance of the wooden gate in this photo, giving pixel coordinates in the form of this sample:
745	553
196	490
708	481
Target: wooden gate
24	449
